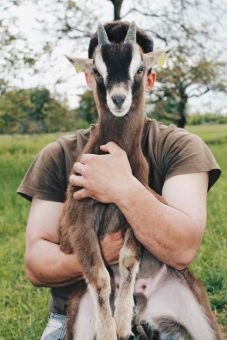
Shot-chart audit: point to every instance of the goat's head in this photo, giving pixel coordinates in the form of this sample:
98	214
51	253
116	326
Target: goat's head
119	70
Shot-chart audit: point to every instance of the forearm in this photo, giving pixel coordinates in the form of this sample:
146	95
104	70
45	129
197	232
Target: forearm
167	233
46	265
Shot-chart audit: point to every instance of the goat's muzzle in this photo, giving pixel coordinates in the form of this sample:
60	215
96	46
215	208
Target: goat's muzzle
118	100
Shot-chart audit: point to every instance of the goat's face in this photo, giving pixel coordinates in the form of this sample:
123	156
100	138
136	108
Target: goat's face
119	71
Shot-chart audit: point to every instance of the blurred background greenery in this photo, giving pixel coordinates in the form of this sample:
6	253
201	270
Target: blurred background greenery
41	97
24	308
39	91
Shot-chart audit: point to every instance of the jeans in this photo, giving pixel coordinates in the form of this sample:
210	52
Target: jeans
56	327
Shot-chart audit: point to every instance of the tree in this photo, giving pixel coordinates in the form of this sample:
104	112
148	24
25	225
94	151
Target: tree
17	55
33	111
192	72
87	110
117	9
183	80
182	22
196	67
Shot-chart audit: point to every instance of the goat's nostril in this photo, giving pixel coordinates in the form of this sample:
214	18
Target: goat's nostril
118	100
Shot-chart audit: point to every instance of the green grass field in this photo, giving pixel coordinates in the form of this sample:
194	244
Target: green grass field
23	308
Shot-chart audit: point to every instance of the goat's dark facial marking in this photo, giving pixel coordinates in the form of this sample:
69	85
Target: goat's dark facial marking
119	70
118	67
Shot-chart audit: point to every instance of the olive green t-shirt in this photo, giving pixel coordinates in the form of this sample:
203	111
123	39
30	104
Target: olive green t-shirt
170	151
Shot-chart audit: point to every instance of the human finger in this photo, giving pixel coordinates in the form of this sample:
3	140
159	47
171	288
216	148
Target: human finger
81	194
116	236
79	168
76	181
87	157
111	148
114	245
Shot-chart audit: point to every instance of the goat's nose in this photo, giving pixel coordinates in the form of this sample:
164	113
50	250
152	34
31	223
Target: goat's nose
118	100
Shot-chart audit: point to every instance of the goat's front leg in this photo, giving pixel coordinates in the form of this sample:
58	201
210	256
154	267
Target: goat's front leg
129	267
87	251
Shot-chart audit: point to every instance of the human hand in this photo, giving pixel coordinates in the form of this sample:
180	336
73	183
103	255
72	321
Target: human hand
111	246
103	177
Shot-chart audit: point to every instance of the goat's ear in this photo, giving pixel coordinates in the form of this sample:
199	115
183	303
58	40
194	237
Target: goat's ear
81	64
157	57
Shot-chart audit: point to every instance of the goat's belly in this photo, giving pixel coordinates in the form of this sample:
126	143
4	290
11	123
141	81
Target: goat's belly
173	300
107	219
161	295
84	326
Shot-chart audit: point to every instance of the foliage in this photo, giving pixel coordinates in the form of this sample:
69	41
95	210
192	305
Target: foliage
165	110
35	111
23	308
207	118
17	55
183	80
197	63
32	111
87	109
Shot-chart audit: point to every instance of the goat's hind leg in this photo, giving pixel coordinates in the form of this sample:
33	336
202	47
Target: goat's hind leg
129	267
87	251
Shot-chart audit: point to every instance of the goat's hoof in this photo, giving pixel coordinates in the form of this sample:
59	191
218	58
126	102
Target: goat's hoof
144	331
124	331
129	336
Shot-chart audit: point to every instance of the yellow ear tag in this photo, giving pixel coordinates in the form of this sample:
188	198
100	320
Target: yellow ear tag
163	58
78	68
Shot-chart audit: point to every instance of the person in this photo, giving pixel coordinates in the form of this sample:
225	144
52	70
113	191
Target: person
182	170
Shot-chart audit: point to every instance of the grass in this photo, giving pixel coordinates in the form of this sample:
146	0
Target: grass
211	262
23	308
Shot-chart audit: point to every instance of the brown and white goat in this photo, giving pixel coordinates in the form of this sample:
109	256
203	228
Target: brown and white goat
173	303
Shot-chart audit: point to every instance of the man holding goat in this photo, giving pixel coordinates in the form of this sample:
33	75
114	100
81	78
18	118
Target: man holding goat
182	170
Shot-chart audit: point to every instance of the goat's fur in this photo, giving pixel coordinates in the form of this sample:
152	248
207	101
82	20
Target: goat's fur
172	302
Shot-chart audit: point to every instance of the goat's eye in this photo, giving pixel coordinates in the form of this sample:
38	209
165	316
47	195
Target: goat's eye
96	72
140	70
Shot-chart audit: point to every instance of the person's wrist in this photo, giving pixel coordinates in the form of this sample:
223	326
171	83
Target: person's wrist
129	190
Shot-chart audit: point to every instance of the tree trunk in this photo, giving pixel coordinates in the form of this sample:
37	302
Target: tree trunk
181	121
117	8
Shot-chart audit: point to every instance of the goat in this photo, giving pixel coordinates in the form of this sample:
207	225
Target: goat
120	92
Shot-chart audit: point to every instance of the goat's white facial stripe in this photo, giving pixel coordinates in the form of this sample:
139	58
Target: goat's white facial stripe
119	92
136	61
101	66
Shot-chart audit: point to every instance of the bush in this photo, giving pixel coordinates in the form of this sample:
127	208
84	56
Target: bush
206	118
33	111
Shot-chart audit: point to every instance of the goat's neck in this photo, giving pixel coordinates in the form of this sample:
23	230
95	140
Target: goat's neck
125	131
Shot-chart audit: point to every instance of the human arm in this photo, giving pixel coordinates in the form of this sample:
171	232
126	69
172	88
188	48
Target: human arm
45	264
172	231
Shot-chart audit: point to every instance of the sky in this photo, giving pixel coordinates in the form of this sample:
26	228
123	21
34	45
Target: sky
75	83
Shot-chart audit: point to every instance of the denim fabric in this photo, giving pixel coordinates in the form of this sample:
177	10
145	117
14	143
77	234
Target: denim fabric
56	327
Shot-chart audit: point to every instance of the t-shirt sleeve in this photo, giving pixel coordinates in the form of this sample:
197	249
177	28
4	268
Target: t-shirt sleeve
45	178
187	153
